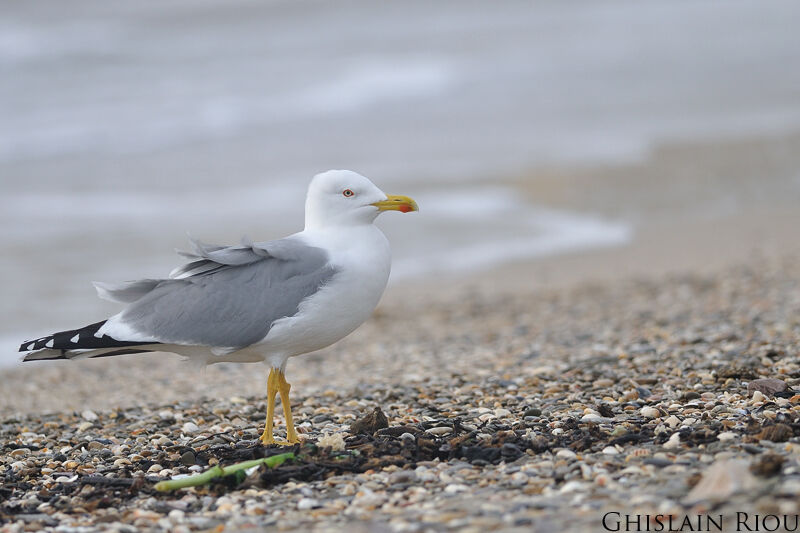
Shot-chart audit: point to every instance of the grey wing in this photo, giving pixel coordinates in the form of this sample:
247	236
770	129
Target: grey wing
228	296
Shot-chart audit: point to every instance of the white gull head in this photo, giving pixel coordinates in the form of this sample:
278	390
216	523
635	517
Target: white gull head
345	198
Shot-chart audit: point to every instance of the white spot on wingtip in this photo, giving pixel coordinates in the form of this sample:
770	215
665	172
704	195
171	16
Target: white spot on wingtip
49	344
75	338
30	346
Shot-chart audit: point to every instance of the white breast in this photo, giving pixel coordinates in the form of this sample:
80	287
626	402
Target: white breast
362	259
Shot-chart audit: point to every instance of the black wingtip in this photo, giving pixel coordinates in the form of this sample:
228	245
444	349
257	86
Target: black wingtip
27	346
84	338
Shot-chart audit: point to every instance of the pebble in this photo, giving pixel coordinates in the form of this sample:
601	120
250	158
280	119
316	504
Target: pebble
89	415
758	397
767	386
650	412
439	431
307	503
674	441
188	458
190	427
721	480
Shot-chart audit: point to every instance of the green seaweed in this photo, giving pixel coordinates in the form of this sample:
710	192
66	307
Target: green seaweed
220	471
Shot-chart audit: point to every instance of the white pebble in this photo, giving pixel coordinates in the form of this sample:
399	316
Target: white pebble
409	437
190	427
610	450
519	479
593	418
453	488
440	431
566	454
674	441
89	415
726	435
307	503
650	412
502	413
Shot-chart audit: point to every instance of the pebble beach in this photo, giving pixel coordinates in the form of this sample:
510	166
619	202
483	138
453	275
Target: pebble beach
538	409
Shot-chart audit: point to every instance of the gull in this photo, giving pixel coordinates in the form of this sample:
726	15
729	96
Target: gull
255	302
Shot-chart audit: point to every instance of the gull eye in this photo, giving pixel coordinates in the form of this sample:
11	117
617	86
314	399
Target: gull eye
347	193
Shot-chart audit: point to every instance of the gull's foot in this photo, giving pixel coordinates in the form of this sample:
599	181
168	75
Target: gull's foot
266	440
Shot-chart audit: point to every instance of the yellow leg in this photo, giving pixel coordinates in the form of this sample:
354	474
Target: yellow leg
272	390
283	388
276	384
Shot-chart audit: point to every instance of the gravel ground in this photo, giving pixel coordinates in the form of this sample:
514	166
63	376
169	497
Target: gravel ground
536	410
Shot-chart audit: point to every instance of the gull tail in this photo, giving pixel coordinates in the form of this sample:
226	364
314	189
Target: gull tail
81	343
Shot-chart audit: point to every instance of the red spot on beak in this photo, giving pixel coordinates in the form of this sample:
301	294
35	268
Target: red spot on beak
405	208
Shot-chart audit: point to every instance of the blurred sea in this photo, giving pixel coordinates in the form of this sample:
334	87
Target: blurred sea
124	125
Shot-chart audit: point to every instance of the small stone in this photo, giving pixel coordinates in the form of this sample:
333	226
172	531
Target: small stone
83	426
767	386
155	468
190	427
439	431
610	450
650	412
307	503
758	396
672	421
188	458
518	479
674	441
502	413
402	476
95	446
89	415
726	435
533	411
566	454
721	480
408	438
453	488
592	418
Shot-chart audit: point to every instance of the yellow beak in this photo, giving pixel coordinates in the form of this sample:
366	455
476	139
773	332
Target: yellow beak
397	203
